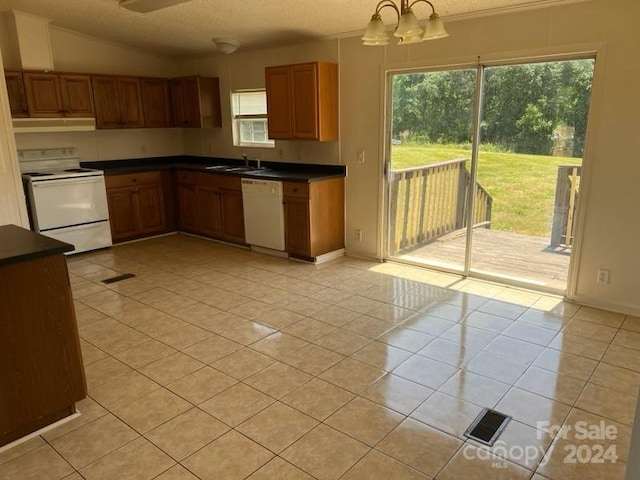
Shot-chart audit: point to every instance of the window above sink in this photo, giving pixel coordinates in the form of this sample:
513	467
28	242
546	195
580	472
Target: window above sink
249	112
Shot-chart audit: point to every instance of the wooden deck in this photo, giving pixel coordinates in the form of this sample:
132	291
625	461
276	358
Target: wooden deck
505	254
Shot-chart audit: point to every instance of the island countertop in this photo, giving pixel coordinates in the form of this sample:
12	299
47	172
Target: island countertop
18	244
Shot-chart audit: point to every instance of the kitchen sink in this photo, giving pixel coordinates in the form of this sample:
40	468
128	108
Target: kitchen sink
229	168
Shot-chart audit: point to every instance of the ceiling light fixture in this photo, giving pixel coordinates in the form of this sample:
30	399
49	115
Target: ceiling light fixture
146	6
226	45
408	28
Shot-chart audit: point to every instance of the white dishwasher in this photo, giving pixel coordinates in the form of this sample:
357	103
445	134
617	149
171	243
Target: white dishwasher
263	213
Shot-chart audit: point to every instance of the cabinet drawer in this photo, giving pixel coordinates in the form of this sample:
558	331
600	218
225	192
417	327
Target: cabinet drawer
185	177
229	182
128	179
208	179
294	189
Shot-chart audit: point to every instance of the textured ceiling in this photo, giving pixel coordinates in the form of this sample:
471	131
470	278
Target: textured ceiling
187	29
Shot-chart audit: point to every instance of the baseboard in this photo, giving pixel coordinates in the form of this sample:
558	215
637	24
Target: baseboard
40	431
269	251
611	307
326	257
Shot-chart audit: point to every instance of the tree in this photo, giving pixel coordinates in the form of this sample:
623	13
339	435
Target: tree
523	105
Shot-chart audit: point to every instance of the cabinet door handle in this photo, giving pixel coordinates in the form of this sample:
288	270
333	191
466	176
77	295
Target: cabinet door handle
295	190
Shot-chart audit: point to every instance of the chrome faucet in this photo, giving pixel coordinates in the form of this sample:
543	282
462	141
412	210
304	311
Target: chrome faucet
258	160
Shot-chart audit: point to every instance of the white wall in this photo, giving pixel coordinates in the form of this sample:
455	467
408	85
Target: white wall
9	42
109	144
75	52
13	209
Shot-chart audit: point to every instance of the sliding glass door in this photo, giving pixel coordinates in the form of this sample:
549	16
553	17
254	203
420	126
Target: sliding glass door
429	166
484	168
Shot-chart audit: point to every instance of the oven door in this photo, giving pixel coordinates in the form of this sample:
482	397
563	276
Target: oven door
68	201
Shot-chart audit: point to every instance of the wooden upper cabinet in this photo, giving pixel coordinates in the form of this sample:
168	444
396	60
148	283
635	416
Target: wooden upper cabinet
278	83
105	95
181	100
196	102
118	102
43	94
17	95
58	95
155	102
130	96
77	95
302	101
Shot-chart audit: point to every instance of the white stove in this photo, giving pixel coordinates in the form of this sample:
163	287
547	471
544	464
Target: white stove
65	201
52	163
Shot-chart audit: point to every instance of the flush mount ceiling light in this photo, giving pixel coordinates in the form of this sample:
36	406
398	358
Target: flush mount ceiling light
146	6
408	29
226	45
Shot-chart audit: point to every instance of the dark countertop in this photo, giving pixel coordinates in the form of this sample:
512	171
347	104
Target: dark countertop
18	245
294	172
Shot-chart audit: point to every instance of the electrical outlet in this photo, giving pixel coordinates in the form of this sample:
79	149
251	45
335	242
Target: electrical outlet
359	235
144	149
603	277
361	156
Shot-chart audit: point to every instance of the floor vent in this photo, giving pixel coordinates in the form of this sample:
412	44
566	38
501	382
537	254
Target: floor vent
487	427
119	278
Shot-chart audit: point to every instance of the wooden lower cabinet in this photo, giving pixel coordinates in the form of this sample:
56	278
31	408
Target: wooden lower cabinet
138	204
122	212
42	375
297	226
232	215
151	208
210	205
313	217
187	204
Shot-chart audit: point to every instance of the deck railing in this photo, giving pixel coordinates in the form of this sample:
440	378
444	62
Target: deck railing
429	202
566	202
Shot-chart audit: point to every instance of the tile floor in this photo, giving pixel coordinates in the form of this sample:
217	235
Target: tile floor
218	363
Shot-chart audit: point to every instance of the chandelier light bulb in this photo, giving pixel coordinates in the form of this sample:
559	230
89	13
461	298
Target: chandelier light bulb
408	28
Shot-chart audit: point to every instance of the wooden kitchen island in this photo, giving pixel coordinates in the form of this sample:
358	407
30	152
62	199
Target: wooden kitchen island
41	371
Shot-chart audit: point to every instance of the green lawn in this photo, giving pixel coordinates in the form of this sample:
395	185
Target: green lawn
522	186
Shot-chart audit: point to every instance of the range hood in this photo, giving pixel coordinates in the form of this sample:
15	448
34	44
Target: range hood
42	125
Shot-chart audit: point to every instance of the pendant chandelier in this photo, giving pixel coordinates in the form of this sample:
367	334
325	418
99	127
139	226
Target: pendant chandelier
408	29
